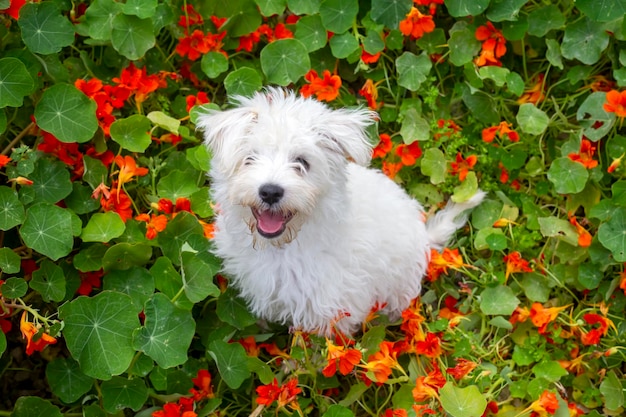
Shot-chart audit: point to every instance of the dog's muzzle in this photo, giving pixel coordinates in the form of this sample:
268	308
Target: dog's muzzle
271	223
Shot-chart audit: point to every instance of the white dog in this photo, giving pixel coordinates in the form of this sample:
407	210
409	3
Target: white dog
308	235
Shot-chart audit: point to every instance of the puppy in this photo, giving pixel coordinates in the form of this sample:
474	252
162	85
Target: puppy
307	233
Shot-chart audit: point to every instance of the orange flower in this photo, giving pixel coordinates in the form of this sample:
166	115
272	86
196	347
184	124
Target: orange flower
520	315
616	103
192	100
119	202
409	153
384	146
203	382
368	58
324	89
412	321
346	358
450	312
534	94
29	330
622	282
440	262
447	128
138	82
429	347
154	224
128	170
601	83
515	263
546	404
462	368
427	387
585	155
268	393
431	4
380	364
208	229
370	92
541	316
391	169
4	160
190	17
584	237
416	24
463	166
197	44
502	130
593	336
493	45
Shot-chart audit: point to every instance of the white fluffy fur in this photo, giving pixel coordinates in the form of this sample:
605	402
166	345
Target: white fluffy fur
355	237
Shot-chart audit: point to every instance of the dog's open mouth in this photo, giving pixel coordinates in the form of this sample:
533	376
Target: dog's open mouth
271	223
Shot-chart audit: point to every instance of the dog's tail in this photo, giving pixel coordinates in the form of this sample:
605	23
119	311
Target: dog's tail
446	222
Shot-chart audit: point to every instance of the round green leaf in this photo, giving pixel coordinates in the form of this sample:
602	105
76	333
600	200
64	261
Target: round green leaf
243	16
498	300
34	407
304	7
99	18
390	12
462	8
612	234
15	82
271	7
568	177
177	184
338	15
102	227
119	393
80	200
558	228
51	181
9	261
463	46
232	309
132	133
11	209
67	113
549	370
532	120
243	82
49	282
213	64
14	288
44	29
602	11
414	127
140	8
90	259
197	278
132	36
584	40
505	10
124	255
597	123
343	45
487	235
167	332
311	32
137	282
482	106
232	362
373	42
169	281
66	379
165	121
176	234
544	19
284	61
613	391
462	402
337	410
434	165
48	230
98	332
412	70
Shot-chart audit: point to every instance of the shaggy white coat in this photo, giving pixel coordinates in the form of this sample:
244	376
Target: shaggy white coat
340	239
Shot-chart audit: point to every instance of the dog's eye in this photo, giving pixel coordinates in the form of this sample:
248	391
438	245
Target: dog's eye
249	160
304	164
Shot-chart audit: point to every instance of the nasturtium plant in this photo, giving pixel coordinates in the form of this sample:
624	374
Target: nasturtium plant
112	301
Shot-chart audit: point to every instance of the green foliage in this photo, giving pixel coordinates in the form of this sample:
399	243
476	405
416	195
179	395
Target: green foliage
111	302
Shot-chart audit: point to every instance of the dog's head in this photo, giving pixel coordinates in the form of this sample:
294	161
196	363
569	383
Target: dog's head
277	156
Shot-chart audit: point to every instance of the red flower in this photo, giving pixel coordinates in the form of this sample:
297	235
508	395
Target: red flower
391	169
416	24
89	281
197	44
324	89
368	58
203	384
503	129
462	166
542	316
370	92
462	368
192	100
4	160
546	404
593	336
427	387
429	347
493	45
340	358
190	17
440	262
584	237
384	146
515	263
29	330
409	153
154	224
284	394
14	8
138	82
381	363
616	103
119	202
585	155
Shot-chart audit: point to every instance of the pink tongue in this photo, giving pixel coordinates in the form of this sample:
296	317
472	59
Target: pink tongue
270	222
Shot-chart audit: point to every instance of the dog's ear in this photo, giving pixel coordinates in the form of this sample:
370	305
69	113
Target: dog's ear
222	129
346	132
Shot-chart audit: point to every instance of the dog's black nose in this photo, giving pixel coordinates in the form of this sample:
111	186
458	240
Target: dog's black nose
271	193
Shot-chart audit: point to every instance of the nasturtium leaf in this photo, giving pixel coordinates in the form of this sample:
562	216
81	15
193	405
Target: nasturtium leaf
311	32
243	82
343	45
199	157
433	42
553	54
602	10
9	261
95	171
304	7
532	120
162	120
14	288
271	7
47	229
102	227
66	379
337	410
544	19
132	36
177	184
67	113
244	16
98	332
284	61
49	282
462	8
232	362
462	402
167	332
119	393
213	64
137	282
51	181
485	236
466	189
34	407
558	228
414	127
390	12
99	18
584	40
497	74
504	10
176	233
482	106
15	82
549	370
612	234
613	391
44	29
80	200
596	122
434	165
11	209
126	255
412	70
500	300
338	15
132	133
142	366
568	177
3	343
90	258
143	9
169	282
463	46
198	278
590	275
232	309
